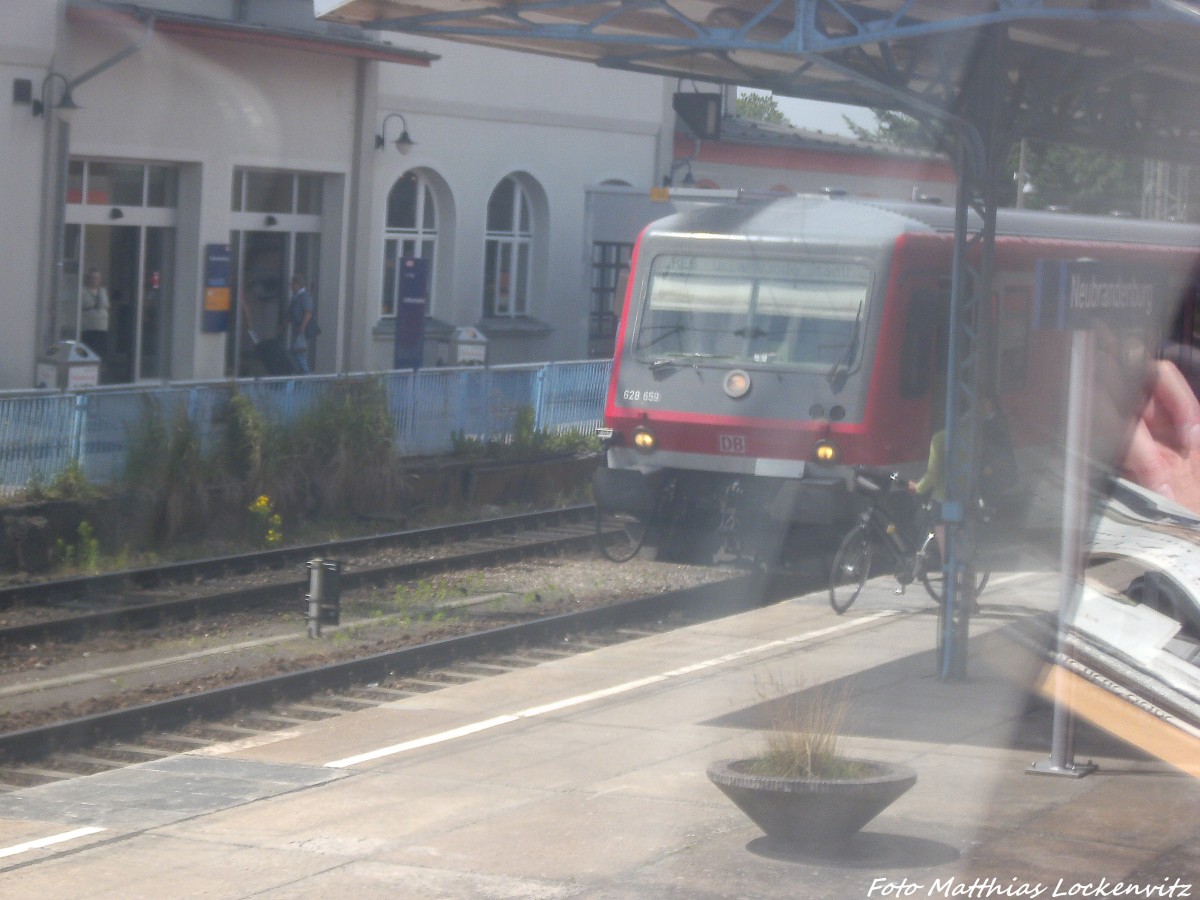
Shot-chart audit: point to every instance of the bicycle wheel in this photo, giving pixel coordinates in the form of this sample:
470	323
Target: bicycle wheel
619	536
933	577
851	569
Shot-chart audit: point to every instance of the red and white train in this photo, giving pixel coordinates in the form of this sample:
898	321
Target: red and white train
767	347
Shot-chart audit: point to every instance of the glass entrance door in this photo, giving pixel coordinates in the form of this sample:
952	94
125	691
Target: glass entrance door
265	262
136	267
260	259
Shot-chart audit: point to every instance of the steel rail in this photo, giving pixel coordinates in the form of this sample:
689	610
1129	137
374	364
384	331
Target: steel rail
76	627
710	600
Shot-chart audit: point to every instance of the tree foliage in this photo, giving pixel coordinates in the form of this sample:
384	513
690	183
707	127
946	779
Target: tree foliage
895	129
1077	178
761	108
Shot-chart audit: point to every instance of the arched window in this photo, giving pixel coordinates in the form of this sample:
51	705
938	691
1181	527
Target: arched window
410	231
508	250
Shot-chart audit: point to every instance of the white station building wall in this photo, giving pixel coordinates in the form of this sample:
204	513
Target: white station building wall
480	115
209	108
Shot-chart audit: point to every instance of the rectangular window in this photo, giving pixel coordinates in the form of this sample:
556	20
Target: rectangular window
390	285
277	192
101	183
917	348
308	194
769	312
75	170
162	186
610	272
269	192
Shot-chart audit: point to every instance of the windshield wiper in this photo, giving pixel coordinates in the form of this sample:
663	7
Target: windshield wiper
676	359
673	330
846	356
753	333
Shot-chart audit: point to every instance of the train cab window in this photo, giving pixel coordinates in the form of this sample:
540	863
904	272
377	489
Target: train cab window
918	355
765	312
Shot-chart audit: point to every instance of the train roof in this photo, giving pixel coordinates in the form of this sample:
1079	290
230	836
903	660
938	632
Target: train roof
865	221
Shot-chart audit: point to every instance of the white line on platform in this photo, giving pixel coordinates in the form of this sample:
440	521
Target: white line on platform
48	841
603	693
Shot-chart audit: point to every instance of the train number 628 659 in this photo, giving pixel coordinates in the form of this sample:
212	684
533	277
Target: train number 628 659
643	396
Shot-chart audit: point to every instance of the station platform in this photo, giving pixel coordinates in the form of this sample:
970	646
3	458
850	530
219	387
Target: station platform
585	777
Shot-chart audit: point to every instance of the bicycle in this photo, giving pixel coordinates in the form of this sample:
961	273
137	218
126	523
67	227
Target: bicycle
914	553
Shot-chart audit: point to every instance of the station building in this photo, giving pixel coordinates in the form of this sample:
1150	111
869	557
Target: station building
198	153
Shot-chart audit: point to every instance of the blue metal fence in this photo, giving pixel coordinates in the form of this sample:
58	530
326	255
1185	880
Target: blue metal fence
43	433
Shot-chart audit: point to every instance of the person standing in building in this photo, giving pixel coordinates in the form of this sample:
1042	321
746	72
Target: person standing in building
300	313
93	315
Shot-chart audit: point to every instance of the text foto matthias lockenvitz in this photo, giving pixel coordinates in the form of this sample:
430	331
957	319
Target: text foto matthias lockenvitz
1015	887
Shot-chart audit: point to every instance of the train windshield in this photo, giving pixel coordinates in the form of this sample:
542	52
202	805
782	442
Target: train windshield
767	312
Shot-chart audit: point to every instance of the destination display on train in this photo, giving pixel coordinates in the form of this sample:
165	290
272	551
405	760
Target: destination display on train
1075	294
806	270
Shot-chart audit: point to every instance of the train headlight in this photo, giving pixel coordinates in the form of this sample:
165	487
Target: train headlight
644	439
737	384
826	452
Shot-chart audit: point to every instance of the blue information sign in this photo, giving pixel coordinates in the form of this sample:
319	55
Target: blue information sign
217	288
1080	293
413	289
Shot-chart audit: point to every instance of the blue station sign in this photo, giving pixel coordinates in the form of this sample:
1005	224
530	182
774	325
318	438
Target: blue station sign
1081	293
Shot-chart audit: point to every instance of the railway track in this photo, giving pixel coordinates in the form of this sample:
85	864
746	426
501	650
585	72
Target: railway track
94	743
127	599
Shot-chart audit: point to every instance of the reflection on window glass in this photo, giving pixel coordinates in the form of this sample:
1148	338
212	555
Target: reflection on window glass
69	286
127	185
389	278
411	231
402	202
506	276
162	186
308	194
756	311
75	181
114	184
122	184
500	208
269	192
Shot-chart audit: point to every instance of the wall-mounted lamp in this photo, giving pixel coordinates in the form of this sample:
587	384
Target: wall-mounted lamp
66	103
403	143
676	165
270	221
115	214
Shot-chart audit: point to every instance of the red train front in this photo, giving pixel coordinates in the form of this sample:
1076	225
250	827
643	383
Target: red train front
766	348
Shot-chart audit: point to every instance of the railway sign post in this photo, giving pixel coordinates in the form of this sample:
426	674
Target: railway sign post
1083	296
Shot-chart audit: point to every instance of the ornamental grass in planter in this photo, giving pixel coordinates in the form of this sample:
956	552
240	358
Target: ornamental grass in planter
800	789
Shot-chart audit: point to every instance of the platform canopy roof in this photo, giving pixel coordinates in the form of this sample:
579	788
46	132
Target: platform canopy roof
1118	74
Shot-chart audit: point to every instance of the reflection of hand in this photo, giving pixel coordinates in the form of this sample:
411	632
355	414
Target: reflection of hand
1164	451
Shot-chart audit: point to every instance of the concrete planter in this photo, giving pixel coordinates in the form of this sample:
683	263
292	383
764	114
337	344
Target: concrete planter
811	814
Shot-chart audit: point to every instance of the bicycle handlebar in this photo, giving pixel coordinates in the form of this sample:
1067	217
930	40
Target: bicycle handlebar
874	479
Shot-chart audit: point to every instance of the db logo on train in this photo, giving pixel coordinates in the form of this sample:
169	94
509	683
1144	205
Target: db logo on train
731	443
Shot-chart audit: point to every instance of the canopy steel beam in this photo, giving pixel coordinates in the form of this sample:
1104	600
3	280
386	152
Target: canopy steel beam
823	25
1122	77
982	112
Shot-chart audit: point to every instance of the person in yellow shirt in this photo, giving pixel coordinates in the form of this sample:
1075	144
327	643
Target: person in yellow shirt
933	483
